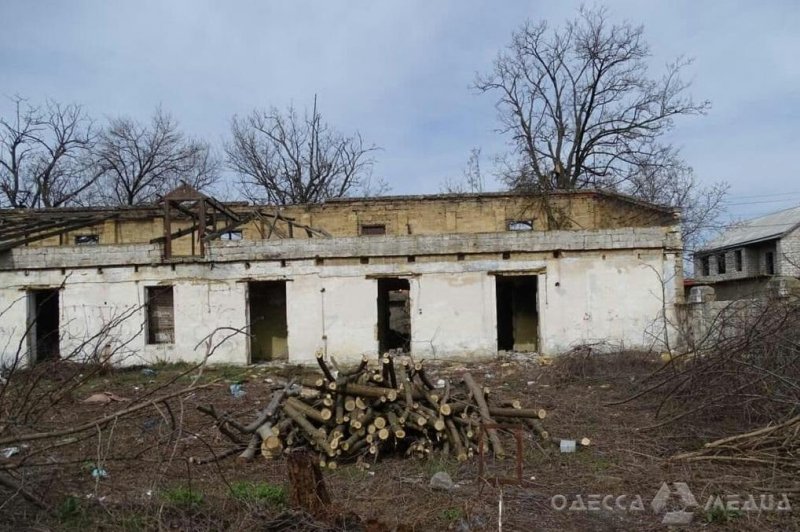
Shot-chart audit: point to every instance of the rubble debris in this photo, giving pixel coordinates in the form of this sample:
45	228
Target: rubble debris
99	472
8	452
441	481
104	398
567	446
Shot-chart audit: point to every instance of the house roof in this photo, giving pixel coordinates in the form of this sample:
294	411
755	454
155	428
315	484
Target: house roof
767	227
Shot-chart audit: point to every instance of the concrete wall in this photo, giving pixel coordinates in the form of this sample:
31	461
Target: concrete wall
753	263
584	296
788	257
439	247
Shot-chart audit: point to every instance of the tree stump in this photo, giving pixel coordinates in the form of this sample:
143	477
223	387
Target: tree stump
306	486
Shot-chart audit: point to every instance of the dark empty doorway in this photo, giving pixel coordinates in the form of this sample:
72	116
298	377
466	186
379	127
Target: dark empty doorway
517	314
394	315
268	327
43	317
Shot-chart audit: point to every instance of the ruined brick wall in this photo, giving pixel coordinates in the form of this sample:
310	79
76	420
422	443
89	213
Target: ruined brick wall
413	215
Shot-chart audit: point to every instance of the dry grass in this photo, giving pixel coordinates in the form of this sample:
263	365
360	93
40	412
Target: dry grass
145	492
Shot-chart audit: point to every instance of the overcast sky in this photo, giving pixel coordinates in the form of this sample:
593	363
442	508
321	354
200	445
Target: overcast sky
400	72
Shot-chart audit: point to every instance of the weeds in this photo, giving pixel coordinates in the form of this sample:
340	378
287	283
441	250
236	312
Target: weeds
259	492
182	496
721	515
452	514
71	513
434	464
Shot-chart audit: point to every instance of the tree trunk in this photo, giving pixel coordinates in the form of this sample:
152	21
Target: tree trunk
306	486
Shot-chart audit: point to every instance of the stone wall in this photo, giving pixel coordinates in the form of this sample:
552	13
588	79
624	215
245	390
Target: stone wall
413	215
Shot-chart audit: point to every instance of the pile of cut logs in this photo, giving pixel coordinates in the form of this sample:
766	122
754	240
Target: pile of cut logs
392	406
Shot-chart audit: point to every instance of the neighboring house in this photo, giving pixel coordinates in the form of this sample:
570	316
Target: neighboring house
436	276
742	260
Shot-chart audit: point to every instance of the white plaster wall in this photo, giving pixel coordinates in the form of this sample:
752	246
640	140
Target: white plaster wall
95	314
13	321
350	309
453	315
304	318
616	300
92	299
201	307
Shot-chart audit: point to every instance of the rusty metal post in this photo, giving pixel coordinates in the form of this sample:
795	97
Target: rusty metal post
517	431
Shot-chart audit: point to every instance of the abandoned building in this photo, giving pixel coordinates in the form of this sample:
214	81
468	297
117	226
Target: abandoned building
437	276
741	262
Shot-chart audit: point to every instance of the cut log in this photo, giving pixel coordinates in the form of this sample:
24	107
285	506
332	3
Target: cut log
394	424
420	372
318	436
309	411
388	363
538	413
477	396
361	390
455	441
271	447
538	428
349	403
325	370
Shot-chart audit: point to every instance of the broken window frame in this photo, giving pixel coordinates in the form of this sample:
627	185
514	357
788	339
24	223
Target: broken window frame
372	229
519	225
160	298
86	240
769	263
231	236
705	265
722	267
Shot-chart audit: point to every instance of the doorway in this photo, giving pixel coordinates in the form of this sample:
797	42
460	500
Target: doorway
268	325
394	315
43	319
517	313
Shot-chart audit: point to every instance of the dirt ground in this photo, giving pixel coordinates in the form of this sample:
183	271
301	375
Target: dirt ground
150	485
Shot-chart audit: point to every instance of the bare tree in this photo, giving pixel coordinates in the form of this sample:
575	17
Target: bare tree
471	177
283	158
45	155
672	182
140	162
581	110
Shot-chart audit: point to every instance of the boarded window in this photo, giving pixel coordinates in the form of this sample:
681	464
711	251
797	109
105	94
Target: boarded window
721	263
519	225
160	315
373	229
87	240
231	235
704	265
737	259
